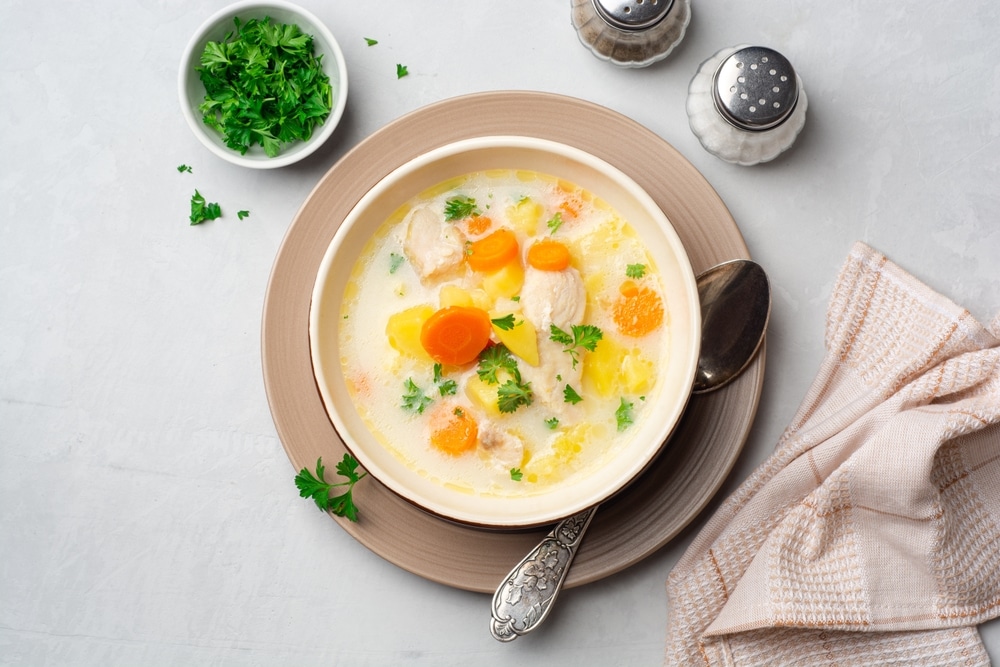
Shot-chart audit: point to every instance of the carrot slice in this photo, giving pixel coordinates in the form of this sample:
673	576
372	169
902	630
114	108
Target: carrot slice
493	252
478	224
638	312
548	255
453	430
456	335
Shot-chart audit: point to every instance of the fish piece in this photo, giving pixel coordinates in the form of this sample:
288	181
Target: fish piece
504	449
432	246
553	297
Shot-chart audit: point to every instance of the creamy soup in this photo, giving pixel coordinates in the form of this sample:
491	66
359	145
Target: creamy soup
504	332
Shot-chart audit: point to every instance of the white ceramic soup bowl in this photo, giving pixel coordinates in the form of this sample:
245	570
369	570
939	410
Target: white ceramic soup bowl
675	378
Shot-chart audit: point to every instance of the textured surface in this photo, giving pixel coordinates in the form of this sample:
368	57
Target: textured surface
147	509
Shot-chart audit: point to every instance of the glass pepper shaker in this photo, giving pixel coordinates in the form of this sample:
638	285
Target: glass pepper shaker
631	33
746	104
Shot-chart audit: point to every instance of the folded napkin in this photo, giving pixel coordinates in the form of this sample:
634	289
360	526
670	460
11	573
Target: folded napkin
871	536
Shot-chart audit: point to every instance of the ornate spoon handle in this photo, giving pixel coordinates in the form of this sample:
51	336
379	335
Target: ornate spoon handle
527	594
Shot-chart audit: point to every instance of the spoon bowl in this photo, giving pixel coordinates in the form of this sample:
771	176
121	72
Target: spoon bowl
735	308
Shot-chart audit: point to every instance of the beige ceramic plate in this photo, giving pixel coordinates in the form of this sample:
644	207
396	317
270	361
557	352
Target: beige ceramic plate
652	510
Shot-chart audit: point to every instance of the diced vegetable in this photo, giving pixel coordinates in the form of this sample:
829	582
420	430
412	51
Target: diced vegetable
638	311
521	339
453	430
505	283
493	252
524	215
403	330
548	255
456	335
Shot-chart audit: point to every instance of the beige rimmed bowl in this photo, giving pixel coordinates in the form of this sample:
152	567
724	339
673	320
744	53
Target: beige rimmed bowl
522	153
192	92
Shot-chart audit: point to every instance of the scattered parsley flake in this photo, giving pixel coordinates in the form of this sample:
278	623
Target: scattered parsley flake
460	206
401	71
506	322
516	474
635	270
316	487
552	423
555	222
415	400
623	415
570	395
185	169
395	261
202	210
584	336
370	42
242	214
459	412
445	386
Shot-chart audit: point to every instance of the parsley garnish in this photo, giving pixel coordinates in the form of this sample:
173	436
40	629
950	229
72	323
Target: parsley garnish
459	207
555	222
552	423
264	85
516	474
316	487
202	210
623	415
395	261
370	42
494	359
445	386
570	395
415	400
584	335
242	214
184	169
635	270
506	322
513	394
401	71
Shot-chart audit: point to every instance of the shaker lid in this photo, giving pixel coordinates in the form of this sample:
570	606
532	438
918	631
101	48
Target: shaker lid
632	14
755	88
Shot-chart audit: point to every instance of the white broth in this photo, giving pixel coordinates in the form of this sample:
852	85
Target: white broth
575	337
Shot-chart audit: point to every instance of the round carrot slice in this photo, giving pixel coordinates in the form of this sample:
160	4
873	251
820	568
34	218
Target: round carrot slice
456	335
453	430
638	311
493	252
548	255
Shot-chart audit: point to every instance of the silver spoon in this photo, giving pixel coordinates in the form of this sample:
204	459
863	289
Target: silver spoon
735	307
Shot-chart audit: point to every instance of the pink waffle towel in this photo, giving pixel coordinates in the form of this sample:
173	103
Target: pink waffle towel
871	536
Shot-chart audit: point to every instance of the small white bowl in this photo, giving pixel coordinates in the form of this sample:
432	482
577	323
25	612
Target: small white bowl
192	91
547	157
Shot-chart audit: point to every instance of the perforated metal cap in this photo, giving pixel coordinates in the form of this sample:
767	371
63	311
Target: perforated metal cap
755	88
632	14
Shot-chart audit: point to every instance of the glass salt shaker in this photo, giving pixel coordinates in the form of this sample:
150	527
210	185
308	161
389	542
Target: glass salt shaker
746	104
631	33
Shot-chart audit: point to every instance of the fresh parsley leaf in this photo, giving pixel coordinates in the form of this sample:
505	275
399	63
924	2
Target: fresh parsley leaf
459	207
414	399
552	423
242	214
570	395
555	222
445	386
506	322
494	359
184	169
370	42
401	71
513	394
623	415
395	261
516	297
264	85
316	487
635	270
516	474
202	210
584	336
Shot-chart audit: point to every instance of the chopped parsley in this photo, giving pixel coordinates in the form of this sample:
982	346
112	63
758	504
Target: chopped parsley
570	395
494	359
583	336
506	322
242	214
395	261
184	169
516	474
459	207
370	42
401	71
555	222
445	386
202	210
635	270
623	415
414	399
552	423
513	394
264	85
316	487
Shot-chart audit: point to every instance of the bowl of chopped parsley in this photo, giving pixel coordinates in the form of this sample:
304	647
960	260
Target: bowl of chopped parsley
263	84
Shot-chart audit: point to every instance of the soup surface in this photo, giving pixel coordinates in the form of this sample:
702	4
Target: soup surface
503	333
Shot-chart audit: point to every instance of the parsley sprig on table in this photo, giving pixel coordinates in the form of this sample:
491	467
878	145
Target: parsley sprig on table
202	210
264	85
316	487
